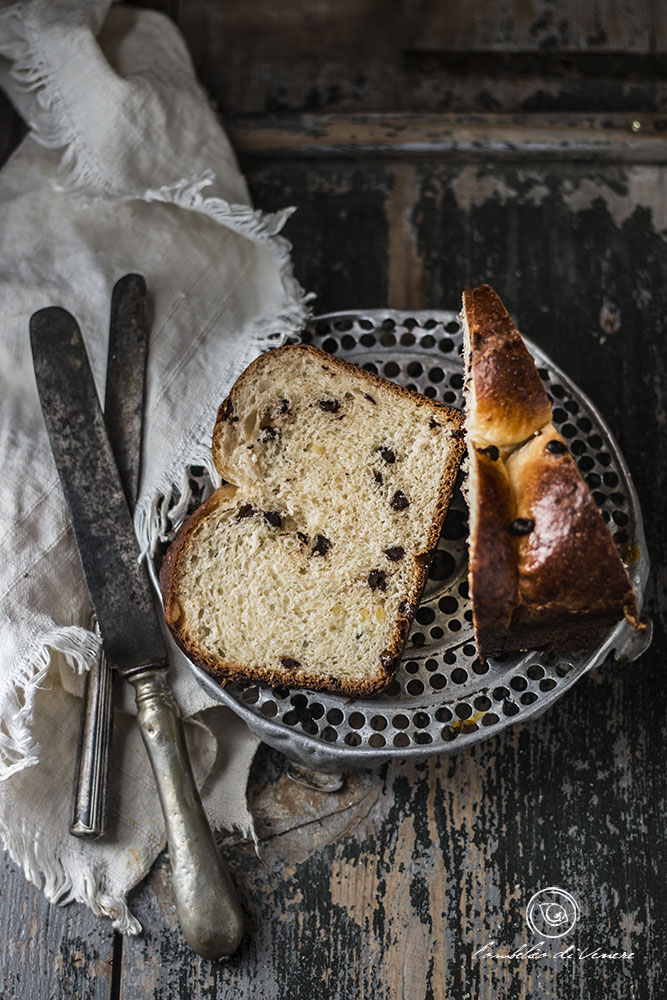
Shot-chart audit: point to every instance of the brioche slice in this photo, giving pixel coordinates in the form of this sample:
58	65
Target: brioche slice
544	572
307	568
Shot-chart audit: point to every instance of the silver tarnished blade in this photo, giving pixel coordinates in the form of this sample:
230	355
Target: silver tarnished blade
126	367
444	698
119	588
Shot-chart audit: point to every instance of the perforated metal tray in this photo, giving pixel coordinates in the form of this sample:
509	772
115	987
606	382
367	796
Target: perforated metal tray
444	698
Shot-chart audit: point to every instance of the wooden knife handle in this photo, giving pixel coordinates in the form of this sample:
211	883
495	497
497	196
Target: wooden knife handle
206	902
90	785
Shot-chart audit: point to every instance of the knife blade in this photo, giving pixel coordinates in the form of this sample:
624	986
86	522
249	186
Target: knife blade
123	417
206	902
117	581
126	367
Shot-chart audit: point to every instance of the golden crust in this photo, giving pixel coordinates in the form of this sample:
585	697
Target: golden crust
507	401
323	681
538	540
568	563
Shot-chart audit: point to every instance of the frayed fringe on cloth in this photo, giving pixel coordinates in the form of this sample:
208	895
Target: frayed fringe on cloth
164	504
63	879
17	746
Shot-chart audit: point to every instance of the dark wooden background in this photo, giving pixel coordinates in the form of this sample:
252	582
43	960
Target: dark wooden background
430	146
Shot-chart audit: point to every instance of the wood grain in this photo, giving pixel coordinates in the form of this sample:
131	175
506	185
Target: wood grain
427	55
617	137
440	858
50	952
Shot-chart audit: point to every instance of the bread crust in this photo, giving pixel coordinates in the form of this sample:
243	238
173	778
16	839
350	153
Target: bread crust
509	400
169	573
554	550
569	536
492	550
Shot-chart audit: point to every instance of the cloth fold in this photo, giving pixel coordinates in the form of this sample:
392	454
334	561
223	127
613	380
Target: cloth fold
125	169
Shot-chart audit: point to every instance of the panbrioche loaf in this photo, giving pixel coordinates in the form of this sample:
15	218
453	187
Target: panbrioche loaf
307	569
544	572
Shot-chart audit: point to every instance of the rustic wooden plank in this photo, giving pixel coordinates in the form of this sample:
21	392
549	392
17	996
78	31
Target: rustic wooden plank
291	821
513	25
441	858
369	56
614	136
50	952
12	129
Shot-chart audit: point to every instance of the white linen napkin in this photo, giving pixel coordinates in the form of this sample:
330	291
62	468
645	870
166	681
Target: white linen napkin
125	169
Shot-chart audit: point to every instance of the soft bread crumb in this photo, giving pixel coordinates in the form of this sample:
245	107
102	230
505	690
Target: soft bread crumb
287	578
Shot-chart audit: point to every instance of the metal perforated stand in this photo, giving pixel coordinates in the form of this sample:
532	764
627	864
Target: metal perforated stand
444	697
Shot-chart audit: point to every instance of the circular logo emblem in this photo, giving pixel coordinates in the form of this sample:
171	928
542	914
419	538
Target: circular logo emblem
552	912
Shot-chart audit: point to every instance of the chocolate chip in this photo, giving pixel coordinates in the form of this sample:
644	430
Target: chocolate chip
395	553
227	410
369	398
556	447
491	451
388	661
377	476
433	423
284	406
233	420
399	501
302	538
406	610
273	518
269	433
290	664
522	526
387	454
247	510
377	579
329	405
321	546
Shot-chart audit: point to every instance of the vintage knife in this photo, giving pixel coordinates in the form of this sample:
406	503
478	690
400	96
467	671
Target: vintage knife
206	902
123	412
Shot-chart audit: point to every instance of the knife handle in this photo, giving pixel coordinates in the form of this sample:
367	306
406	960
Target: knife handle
206	902
89	811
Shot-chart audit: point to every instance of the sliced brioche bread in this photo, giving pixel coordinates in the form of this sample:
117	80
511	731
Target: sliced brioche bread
544	572
307	569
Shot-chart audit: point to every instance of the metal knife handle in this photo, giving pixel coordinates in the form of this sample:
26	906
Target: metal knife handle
206	903
90	786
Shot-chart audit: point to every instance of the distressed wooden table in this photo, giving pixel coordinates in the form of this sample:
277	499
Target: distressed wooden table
430	147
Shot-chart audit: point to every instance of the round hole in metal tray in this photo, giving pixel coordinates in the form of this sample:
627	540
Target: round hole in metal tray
424	352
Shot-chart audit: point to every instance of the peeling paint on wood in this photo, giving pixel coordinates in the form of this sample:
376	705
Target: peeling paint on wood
47	951
536	136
